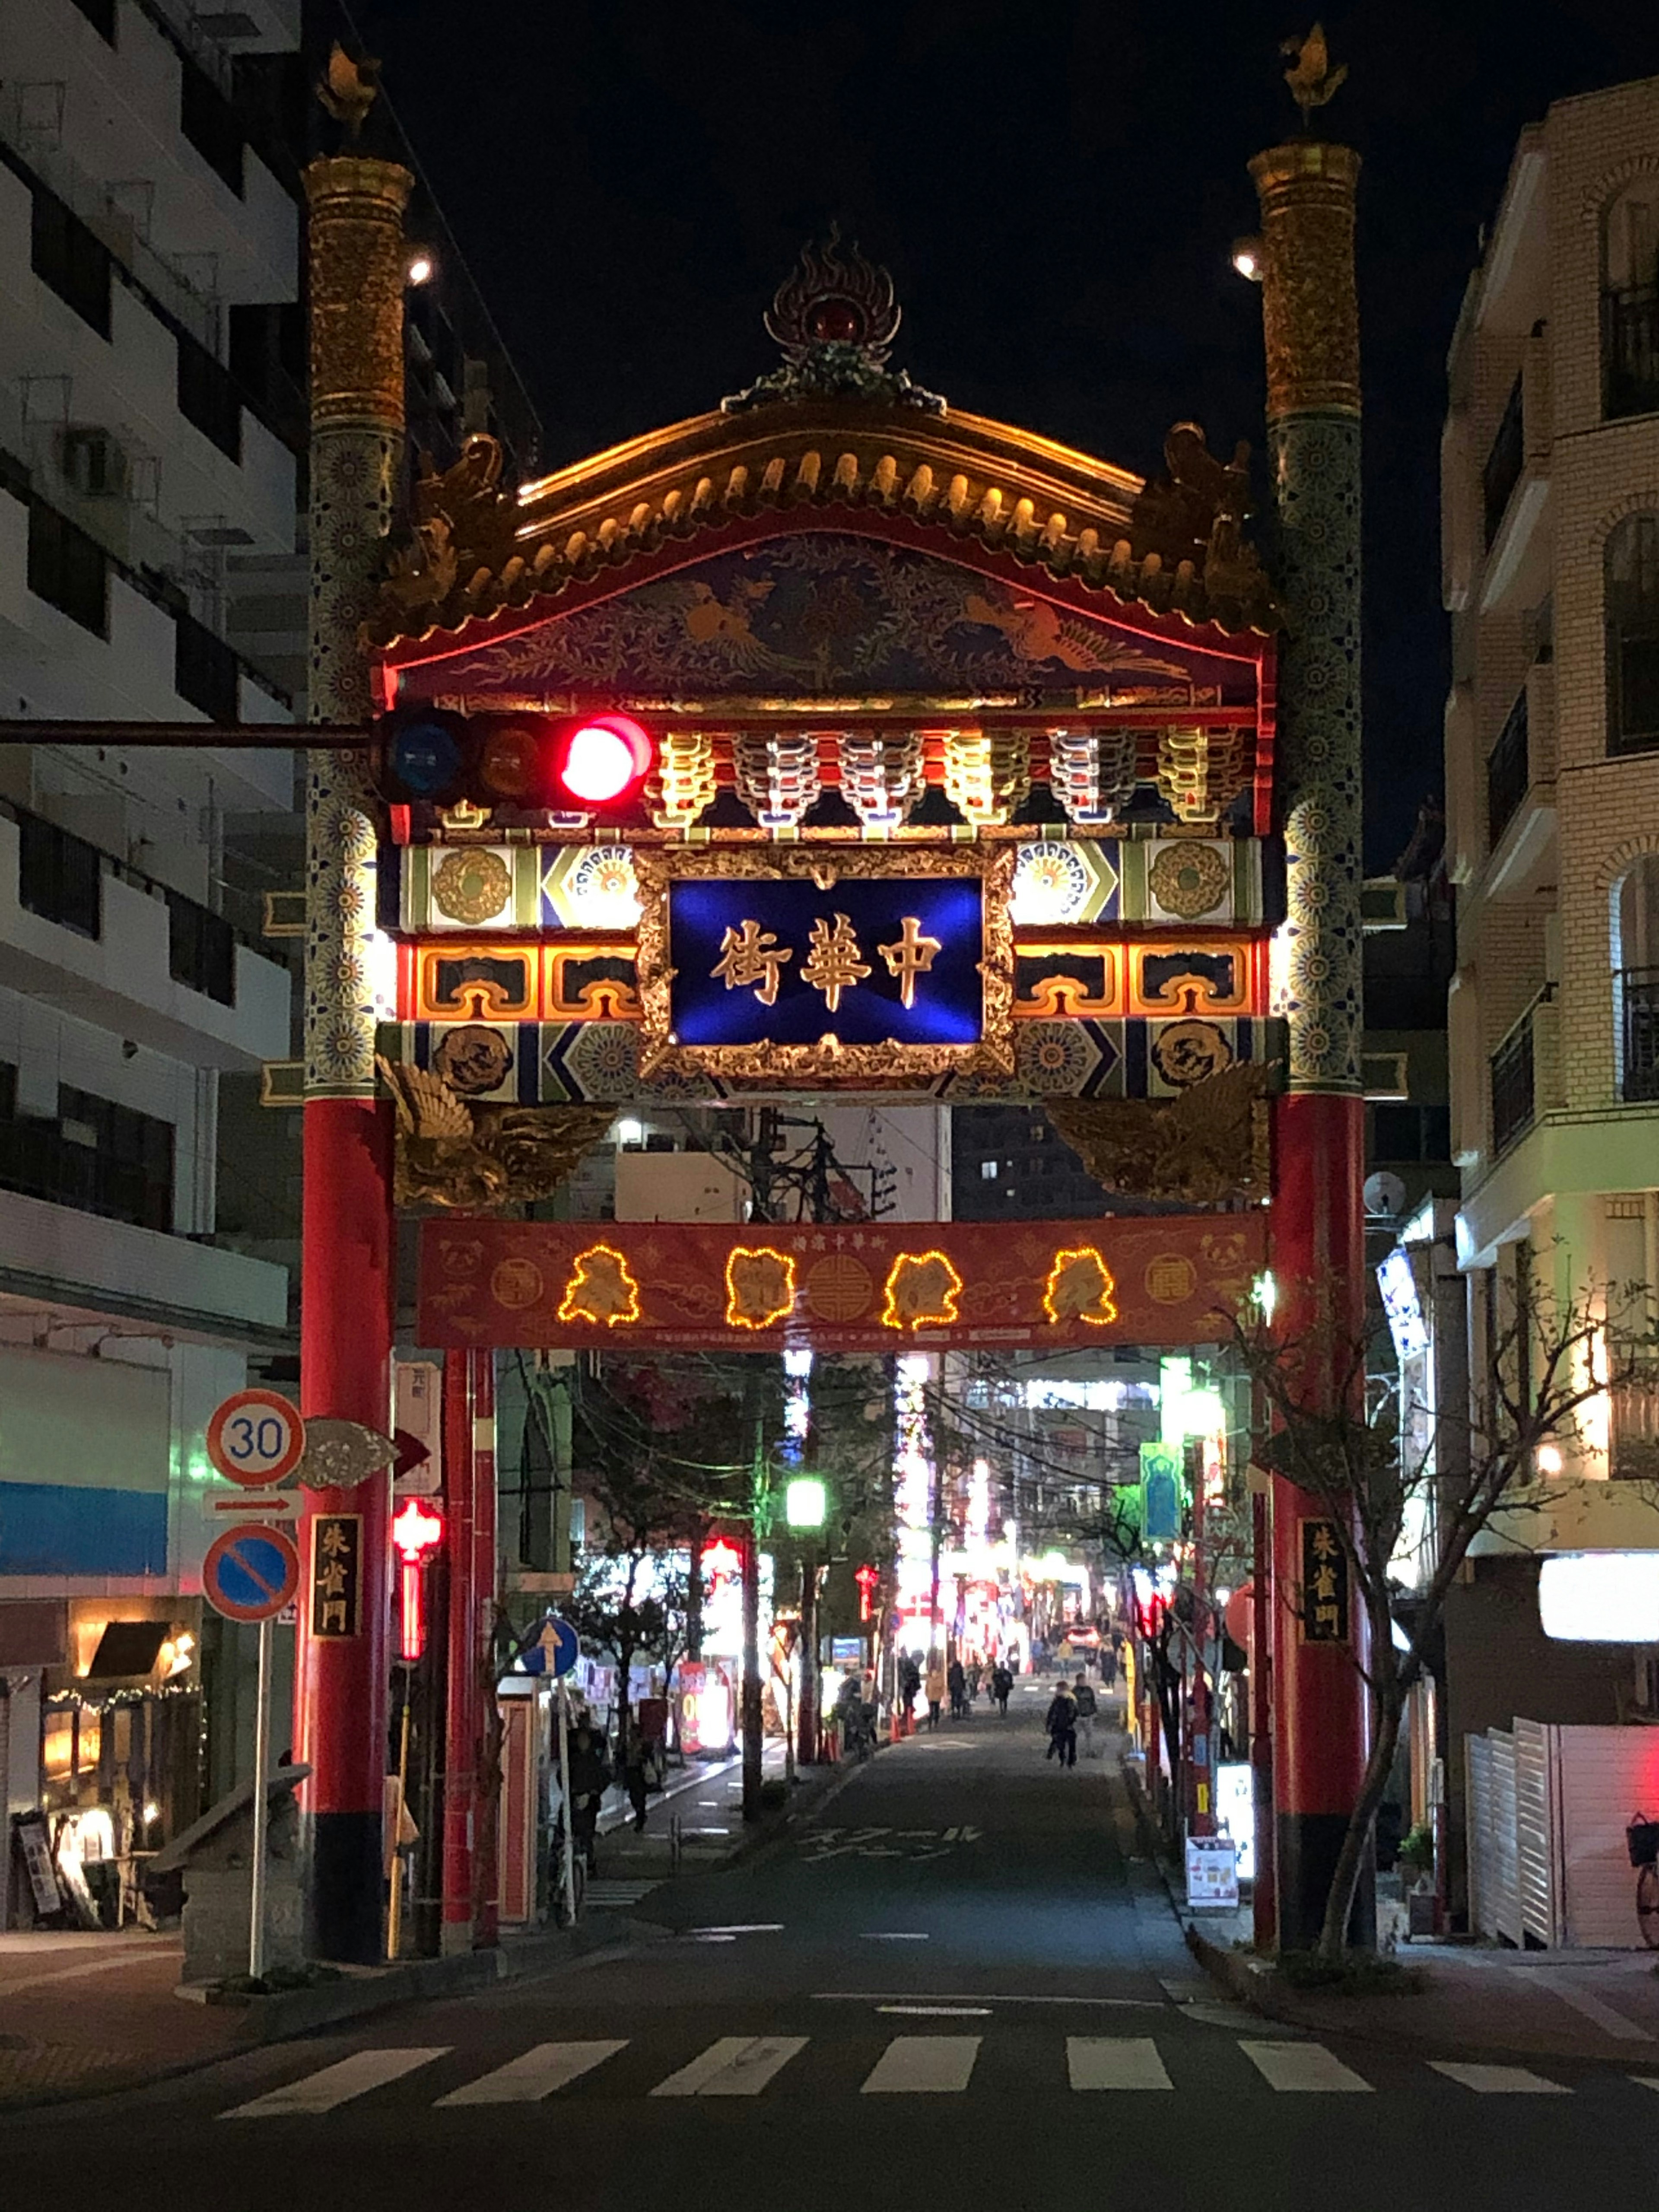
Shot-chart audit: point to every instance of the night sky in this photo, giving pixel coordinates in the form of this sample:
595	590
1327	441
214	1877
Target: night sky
1054	185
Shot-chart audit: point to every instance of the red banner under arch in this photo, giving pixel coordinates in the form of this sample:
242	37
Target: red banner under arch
1028	1285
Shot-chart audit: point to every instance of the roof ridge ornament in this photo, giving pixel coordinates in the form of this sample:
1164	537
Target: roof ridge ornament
1313	82
835	318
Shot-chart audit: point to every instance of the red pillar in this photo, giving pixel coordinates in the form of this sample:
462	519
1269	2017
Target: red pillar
341	1674
1321	1709
486	1929
462	1719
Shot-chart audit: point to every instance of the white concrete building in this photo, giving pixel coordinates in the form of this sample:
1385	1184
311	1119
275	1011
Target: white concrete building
135	220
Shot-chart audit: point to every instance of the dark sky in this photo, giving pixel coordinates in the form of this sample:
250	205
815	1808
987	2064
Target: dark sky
1054	185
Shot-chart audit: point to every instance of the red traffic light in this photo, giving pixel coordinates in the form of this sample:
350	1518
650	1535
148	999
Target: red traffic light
601	758
416	1528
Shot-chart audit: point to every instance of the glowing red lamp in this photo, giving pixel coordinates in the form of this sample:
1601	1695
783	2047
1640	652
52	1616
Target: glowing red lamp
601	759
722	1562
867	1578
416	1531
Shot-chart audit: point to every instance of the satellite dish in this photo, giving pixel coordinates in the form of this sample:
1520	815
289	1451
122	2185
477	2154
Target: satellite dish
1384	1195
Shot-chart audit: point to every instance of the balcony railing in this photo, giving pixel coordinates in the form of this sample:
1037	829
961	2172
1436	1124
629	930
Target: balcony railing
1507	772
1504	462
1512	1097
1638	1003
1630	351
1633	1418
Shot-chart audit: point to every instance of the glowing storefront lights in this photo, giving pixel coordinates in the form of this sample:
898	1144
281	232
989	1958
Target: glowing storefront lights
912	1482
1600	1597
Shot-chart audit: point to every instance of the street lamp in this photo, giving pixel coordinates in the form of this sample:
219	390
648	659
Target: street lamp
805	1502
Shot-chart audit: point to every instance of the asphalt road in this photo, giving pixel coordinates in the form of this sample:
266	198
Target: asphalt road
959	1988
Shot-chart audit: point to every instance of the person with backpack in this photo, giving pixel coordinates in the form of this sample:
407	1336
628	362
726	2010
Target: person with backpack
1061	1721
955	1680
1087	1706
1001	1683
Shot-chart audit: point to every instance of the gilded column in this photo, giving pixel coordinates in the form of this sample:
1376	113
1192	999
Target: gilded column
1311	328
356	285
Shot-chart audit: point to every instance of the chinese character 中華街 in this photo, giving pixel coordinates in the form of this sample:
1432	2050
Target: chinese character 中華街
752	955
833	964
911	956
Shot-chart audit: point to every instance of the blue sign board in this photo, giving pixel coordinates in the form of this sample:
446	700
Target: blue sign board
874	961
557	1641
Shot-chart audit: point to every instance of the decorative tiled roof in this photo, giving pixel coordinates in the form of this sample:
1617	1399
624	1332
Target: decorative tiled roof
477	554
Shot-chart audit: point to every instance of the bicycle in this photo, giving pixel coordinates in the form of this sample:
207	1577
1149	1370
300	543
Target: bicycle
1642	1841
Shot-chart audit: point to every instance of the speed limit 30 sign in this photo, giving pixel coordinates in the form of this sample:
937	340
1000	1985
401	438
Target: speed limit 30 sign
256	1438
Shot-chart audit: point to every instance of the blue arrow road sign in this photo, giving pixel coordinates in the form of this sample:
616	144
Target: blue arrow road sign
566	1646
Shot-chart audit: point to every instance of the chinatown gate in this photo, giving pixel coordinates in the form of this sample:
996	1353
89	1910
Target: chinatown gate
969	767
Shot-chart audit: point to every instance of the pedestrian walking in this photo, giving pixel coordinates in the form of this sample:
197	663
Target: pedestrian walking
955	1680
1001	1683
909	1687
934	1689
1108	1665
1061	1721
631	1757
590	1778
1087	1706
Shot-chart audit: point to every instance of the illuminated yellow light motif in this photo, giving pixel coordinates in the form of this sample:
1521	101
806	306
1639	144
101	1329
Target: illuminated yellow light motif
760	1286
922	1291
1079	1288
912	956
834	966
753	954
600	1289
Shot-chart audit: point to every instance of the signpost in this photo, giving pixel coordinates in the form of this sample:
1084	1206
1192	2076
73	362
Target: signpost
255	1439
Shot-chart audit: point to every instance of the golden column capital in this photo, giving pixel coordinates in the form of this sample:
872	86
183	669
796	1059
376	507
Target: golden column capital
1309	306
357	268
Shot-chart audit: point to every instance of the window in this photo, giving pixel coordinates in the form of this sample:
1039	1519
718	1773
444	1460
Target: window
1508	771
97	1157
204	669
1504	463
988	1170
68	569
60	878
1630	302
208	397
1630	614
201	949
209	121
1636	981
64	254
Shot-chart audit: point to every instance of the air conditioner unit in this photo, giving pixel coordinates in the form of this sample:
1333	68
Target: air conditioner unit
94	461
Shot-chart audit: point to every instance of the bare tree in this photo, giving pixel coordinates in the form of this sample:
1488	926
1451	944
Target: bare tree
1384	1488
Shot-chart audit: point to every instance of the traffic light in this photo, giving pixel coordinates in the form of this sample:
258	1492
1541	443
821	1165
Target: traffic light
560	763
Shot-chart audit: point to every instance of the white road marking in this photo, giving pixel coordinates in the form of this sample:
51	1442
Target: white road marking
1609	2021
741	1927
337	2084
939	2011
977	1996
1115	2062
923	2065
1302	2066
535	2074
893	1936
1497	2080
735	2066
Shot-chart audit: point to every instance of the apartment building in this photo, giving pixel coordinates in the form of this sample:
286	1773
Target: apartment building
1551	558
152	434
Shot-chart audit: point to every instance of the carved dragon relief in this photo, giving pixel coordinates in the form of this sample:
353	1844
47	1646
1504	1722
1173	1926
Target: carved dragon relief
1197	513
1205	1147
476	1159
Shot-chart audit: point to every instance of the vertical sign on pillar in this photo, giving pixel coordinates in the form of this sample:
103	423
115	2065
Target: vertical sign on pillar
357	276
1312	329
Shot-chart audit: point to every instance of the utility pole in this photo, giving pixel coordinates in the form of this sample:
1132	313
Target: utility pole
752	1735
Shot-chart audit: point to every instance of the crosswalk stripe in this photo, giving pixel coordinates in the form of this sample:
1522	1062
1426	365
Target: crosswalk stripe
337	2084
1497	2080
618	1893
915	2065
1302	2066
535	2074
1115	2062
1583	2001
735	2066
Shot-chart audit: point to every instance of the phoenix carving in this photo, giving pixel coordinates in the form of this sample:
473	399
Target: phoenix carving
1205	1147
476	1159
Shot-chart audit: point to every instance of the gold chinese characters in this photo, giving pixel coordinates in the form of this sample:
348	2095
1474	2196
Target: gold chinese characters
751	958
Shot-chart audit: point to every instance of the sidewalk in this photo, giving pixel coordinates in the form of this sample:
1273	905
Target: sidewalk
1475	1998
82	2015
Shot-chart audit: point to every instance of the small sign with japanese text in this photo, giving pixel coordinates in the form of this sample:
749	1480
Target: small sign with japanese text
1324	1618
336	1577
1212	1873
